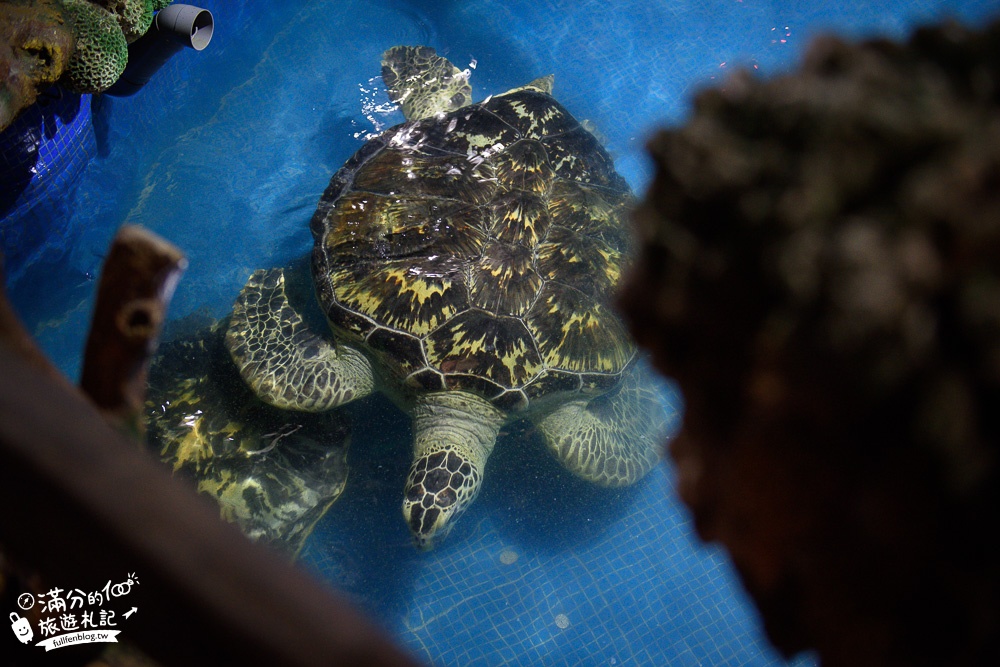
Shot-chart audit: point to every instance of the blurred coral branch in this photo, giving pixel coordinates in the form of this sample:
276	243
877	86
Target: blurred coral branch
136	285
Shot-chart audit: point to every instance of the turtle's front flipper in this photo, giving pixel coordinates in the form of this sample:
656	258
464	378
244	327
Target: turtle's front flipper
286	364
423	83
453	435
614	439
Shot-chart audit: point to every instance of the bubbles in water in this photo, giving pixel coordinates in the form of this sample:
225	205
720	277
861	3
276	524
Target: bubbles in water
375	107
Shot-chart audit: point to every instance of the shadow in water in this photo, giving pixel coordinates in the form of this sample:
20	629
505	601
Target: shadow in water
536	502
363	546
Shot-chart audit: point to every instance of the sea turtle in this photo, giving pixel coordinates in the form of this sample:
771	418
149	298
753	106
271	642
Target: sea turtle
273	472
464	260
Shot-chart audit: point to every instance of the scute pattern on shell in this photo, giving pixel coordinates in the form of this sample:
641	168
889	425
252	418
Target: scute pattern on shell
477	250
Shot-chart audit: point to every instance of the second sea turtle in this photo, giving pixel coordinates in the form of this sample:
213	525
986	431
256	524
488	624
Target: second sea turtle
274	473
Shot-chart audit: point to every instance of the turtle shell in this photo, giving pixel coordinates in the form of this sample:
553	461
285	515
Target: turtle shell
477	250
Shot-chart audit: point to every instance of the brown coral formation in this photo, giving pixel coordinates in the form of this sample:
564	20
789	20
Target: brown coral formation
35	46
823	251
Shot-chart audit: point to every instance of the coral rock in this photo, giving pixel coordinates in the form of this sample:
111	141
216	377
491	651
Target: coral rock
134	16
101	49
34	49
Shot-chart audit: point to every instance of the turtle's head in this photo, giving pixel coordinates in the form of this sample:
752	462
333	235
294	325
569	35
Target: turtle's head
439	488
423	83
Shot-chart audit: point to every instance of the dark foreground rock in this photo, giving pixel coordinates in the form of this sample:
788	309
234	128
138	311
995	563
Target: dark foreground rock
820	270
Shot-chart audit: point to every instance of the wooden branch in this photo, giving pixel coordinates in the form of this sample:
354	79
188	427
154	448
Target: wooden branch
137	282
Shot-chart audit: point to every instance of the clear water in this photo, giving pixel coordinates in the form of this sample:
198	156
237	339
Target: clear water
226	152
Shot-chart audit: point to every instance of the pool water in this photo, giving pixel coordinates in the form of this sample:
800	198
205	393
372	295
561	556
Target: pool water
226	152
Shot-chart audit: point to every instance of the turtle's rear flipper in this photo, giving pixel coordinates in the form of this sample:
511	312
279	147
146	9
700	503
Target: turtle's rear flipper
286	364
542	84
614	439
423	83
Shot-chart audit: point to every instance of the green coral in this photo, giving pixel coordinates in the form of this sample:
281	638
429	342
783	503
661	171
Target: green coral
160	4
134	16
101	51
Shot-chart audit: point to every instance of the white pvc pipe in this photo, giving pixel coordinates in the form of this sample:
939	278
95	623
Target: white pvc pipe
173	28
188	25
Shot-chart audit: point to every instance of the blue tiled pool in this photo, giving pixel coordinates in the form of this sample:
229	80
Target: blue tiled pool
226	152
